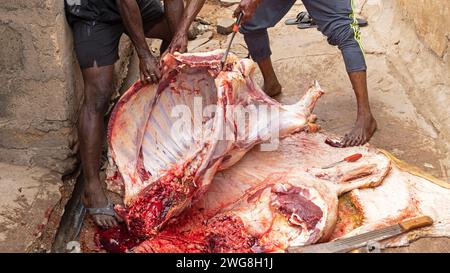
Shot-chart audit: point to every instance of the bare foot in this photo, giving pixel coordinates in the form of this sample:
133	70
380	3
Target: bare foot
272	89
94	197
361	132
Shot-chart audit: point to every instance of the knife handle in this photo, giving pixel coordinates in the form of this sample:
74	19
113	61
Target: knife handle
418	222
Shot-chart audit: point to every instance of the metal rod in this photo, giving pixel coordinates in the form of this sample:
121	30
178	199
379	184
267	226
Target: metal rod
235	30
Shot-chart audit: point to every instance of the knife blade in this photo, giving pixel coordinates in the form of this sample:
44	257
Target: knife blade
361	240
235	30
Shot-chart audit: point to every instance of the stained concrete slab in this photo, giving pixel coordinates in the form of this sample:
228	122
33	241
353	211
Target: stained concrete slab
28	195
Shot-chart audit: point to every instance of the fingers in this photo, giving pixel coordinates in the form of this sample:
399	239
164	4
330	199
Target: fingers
150	75
154	78
179	43
143	78
157	72
154	75
182	49
245	17
236	12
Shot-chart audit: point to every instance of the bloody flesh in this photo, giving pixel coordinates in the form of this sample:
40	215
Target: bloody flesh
295	201
116	239
154	203
226	234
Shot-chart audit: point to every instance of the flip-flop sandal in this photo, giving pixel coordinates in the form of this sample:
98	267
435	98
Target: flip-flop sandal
108	210
312	24
362	22
302	17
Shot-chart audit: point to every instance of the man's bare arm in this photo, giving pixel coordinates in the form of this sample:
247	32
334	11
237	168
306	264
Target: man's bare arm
180	39
174	12
131	17
132	20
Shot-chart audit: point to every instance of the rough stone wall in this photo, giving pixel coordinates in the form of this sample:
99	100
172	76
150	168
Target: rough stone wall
414	36
430	69
40	85
431	19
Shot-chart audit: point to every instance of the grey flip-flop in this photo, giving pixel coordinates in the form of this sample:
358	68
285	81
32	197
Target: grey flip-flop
362	22
304	21
108	210
302	17
312	24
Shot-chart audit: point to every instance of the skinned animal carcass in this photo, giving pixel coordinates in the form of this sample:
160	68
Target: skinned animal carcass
247	206
270	201
167	142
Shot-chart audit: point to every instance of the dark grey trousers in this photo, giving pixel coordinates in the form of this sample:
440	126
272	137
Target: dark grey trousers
335	19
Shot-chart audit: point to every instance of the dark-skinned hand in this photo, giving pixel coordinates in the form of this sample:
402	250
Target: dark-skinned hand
149	70
248	8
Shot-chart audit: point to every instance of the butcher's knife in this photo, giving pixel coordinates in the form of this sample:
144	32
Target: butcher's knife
235	30
358	241
351	158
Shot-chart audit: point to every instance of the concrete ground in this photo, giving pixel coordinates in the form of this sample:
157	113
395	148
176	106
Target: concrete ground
29	195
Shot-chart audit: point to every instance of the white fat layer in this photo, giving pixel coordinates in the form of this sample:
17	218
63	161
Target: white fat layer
403	192
257	216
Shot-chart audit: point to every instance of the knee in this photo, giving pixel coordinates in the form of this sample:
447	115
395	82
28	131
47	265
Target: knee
258	44
343	35
97	98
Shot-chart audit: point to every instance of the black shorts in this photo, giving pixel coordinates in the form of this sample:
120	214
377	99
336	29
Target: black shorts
98	41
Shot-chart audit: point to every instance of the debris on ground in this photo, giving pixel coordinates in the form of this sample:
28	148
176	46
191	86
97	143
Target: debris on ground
225	25
228	3
29	196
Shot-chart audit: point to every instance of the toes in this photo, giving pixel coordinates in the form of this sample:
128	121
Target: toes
356	141
350	142
113	222
101	222
97	221
346	140
362	140
104	222
110	221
